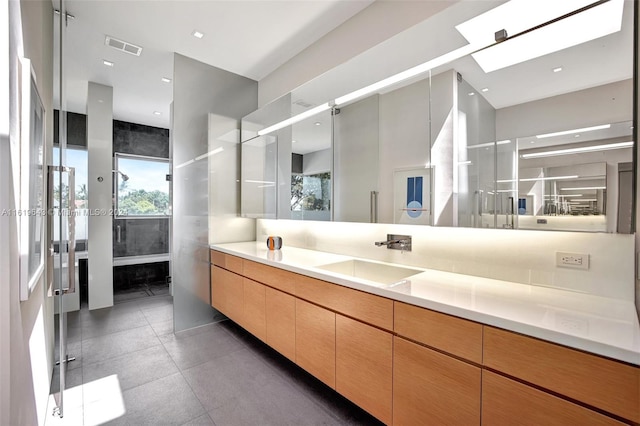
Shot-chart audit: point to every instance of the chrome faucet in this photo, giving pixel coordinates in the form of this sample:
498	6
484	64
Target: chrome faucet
396	242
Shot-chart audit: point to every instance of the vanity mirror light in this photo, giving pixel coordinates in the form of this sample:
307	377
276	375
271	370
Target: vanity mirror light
461	122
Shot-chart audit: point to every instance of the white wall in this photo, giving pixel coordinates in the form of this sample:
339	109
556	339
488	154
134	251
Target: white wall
100	164
526	257
26	333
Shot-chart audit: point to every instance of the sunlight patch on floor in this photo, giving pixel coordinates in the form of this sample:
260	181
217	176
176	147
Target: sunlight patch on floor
102	401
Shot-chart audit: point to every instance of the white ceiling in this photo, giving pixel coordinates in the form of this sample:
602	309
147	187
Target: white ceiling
250	38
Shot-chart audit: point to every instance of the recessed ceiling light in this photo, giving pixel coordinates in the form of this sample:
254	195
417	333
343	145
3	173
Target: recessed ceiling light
157	112
486	89
108	63
166	80
472	93
197	34
294	141
557	69
317	123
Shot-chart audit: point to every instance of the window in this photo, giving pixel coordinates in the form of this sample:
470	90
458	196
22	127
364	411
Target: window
311	192
78	159
141	186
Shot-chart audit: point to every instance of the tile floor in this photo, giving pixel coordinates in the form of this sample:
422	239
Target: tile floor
131	369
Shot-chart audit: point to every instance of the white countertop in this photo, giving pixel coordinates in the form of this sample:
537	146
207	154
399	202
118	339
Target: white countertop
595	324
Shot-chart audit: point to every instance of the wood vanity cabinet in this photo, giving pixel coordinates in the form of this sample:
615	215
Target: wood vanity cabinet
431	388
364	366
281	322
599	382
410	365
227	293
505	401
316	341
254	315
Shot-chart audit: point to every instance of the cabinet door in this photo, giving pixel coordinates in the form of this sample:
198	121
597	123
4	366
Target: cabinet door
316	341
431	388
227	293
254	319
364	366
281	322
603	383
505	402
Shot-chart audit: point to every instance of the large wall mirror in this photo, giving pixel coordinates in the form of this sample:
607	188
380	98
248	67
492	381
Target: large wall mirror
491	139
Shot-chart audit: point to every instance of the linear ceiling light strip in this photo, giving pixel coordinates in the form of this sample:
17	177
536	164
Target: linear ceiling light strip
594	148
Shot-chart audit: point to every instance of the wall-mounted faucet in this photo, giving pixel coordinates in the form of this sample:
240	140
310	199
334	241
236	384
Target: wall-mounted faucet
396	242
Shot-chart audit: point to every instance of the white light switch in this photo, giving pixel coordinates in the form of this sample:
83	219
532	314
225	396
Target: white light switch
572	260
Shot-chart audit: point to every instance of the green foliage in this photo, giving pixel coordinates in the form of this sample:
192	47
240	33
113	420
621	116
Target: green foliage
144	203
310	192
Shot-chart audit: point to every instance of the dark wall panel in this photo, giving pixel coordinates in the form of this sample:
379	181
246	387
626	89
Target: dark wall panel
138	139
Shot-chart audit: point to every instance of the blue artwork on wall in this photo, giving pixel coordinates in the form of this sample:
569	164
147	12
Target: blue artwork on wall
414	196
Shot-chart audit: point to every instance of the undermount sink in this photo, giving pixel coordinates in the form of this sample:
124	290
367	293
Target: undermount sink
372	271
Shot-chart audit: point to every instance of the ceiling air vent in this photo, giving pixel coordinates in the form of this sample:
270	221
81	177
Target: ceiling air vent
123	46
302	103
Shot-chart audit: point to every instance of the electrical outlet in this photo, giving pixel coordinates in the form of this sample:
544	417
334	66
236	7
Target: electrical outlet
572	260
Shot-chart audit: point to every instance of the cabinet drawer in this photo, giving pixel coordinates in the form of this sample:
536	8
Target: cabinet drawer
445	332
507	402
431	388
369	308
609	385
226	261
273	277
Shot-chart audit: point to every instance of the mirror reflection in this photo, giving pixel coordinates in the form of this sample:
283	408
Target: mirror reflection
471	143
311	163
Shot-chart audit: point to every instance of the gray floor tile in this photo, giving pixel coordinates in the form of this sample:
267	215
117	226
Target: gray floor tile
188	350
306	385
166	401
203	420
133	369
111	320
154	302
117	344
239	389
163	328
221	380
158	314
